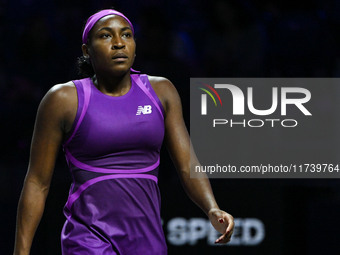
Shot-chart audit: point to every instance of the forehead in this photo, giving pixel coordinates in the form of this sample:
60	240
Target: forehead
113	21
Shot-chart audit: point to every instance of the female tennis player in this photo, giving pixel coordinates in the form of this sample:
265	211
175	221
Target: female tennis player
111	126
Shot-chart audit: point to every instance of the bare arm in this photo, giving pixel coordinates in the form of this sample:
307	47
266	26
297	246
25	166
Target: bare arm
52	122
178	143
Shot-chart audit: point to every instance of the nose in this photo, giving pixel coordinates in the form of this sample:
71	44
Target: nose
117	43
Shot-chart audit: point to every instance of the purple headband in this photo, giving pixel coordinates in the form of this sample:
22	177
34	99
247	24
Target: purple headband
97	16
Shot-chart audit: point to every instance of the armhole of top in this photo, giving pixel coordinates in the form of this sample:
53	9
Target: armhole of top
81	98
145	80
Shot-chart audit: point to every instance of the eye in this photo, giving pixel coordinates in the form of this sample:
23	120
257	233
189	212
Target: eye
127	34
105	35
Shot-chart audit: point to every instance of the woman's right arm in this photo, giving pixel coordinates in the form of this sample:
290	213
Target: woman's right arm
55	115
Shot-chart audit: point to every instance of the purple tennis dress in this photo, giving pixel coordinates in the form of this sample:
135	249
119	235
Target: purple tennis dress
113	154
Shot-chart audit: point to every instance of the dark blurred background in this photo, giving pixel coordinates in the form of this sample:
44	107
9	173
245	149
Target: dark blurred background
41	40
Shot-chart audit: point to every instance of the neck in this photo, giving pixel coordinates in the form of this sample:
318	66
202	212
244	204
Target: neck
114	85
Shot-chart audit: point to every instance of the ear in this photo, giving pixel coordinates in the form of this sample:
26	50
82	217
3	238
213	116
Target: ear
85	50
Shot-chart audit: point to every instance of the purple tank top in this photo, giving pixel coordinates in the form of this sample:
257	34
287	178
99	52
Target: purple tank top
113	155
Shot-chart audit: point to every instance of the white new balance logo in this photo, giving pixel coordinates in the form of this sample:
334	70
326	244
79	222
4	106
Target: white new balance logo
145	110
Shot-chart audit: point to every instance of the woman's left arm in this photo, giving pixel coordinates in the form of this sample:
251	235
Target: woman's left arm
178	144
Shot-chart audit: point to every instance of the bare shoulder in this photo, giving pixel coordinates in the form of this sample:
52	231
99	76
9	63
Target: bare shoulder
165	91
161	83
60	95
60	103
64	86
64	91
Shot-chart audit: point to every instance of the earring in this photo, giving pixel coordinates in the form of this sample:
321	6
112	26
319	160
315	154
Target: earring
87	59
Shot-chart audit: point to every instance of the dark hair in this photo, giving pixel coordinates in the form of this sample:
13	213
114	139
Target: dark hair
85	67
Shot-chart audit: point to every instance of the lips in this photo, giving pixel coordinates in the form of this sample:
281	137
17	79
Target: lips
120	56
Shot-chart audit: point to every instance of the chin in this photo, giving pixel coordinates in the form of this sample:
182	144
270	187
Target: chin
120	72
